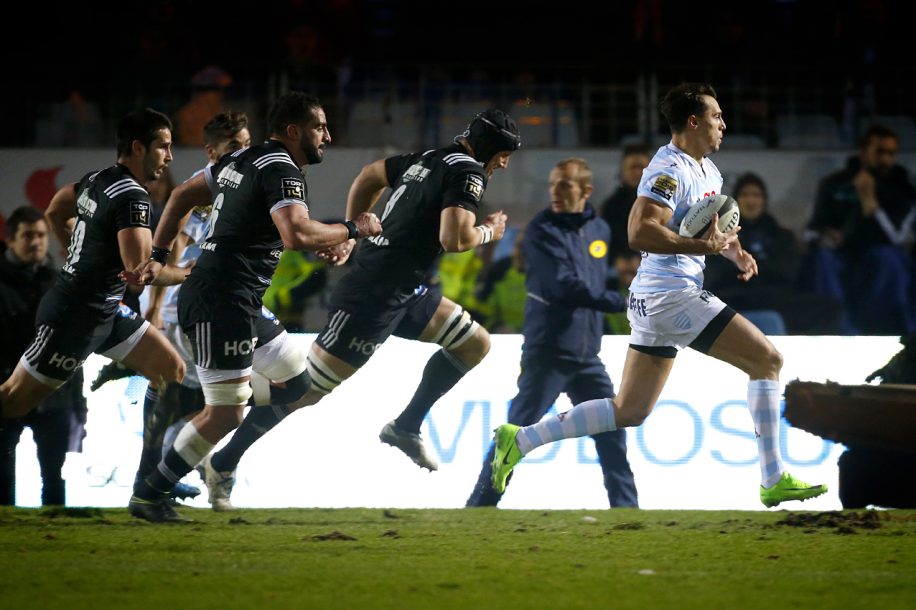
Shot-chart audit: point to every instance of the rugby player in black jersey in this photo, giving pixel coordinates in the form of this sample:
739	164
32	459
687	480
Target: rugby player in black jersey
105	219
260	207
432	208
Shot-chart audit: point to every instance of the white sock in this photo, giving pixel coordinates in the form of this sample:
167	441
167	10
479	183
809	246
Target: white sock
763	403
191	446
584	419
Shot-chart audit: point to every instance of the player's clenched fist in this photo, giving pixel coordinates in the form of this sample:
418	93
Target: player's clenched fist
497	221
368	224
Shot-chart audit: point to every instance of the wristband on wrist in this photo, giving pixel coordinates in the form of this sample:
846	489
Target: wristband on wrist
486	234
352	229
160	255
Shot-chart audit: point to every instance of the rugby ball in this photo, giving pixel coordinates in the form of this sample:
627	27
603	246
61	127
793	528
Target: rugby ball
696	221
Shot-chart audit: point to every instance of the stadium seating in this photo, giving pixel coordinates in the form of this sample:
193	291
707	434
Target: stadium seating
545	125
808	132
383	122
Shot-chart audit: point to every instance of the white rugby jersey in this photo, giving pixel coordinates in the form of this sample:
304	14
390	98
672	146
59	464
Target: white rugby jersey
674	178
196	229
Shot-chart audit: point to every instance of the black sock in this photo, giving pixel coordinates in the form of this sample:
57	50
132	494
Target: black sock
155	423
440	375
258	422
162	479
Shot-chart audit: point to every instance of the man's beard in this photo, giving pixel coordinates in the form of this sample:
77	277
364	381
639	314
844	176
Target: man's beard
312	154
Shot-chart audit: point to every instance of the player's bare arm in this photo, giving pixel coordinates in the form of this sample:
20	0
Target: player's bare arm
459	232
183	199
60	212
136	245
364	193
157	292
299	232
186	196
648	231
366	189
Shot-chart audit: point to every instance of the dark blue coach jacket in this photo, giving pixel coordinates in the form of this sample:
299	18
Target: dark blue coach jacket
566	280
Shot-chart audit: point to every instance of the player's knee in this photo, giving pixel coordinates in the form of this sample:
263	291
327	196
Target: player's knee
463	334
628	415
767	365
321	376
293	389
228	394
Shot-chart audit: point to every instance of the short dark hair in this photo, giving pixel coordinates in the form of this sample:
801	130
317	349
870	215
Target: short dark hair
22	215
140	125
683	101
876	131
223	126
293	107
635	149
750	179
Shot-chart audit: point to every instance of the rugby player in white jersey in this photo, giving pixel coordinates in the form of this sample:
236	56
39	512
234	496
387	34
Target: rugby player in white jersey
669	310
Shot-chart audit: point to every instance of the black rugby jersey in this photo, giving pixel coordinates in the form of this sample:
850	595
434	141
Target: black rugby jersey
243	246
422	184
107	201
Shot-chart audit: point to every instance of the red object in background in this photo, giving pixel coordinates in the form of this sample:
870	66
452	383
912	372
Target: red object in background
41	186
2	227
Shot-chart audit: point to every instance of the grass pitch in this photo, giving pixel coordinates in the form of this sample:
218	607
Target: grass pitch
473	558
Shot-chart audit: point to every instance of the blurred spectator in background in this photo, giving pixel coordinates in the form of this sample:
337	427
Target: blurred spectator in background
298	276
626	265
616	208
74	122
565	246
26	273
502	291
860	235
778	256
457	277
207	90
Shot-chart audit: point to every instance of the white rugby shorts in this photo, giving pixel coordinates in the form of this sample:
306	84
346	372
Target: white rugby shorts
673	318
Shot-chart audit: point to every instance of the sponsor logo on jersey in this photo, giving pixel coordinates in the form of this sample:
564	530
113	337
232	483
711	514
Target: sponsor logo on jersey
229	177
416	173
139	213
85	205
665	186
293	188
597	248
474	186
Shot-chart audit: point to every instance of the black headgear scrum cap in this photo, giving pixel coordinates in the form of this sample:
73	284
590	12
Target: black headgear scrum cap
490	132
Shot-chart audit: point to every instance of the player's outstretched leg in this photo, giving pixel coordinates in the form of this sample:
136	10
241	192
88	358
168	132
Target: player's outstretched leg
789	488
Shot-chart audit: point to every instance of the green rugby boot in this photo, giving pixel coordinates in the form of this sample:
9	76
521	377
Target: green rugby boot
789	488
506	456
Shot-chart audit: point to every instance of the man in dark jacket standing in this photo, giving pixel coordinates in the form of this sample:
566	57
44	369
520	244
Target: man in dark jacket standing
566	248
26	273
